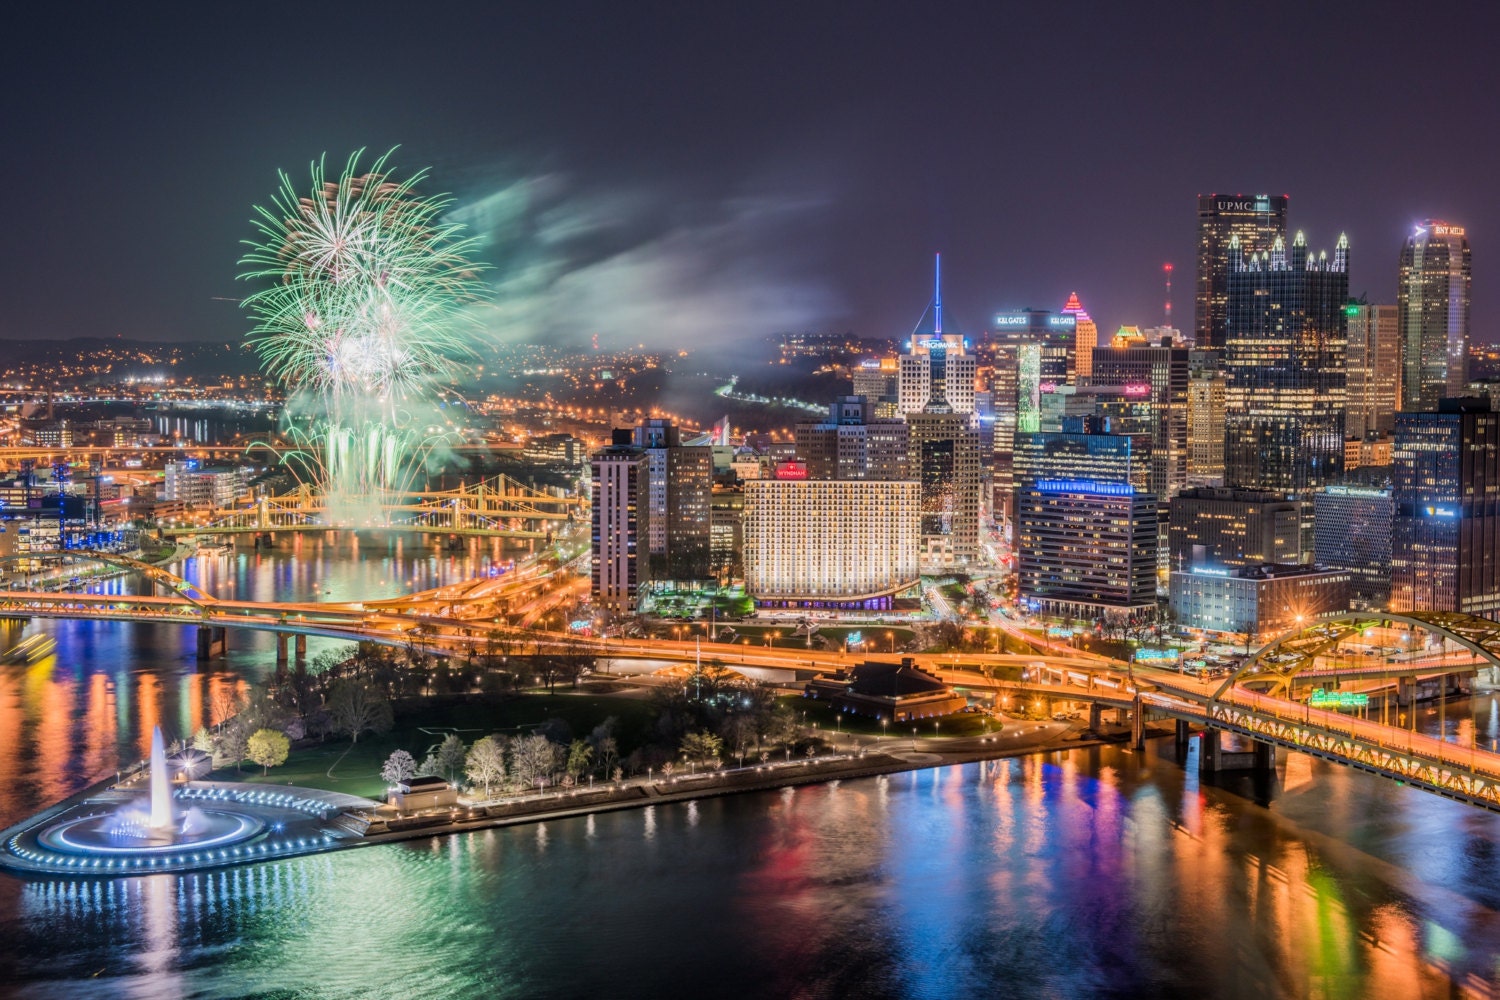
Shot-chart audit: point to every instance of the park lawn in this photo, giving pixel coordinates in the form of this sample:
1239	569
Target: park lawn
339	766
826	718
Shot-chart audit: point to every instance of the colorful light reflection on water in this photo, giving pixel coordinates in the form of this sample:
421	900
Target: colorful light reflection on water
1090	873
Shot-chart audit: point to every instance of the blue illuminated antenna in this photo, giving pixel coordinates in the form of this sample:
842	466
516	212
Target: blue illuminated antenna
937	296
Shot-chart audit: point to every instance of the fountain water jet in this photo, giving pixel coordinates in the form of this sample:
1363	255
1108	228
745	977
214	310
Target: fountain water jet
161	785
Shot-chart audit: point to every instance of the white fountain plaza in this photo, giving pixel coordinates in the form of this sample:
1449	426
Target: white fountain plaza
198	824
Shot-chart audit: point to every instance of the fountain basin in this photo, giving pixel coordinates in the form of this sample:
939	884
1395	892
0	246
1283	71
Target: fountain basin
100	834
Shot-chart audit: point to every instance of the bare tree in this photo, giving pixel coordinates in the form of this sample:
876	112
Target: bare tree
357	708
535	759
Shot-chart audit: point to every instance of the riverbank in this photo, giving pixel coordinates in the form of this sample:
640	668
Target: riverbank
889	756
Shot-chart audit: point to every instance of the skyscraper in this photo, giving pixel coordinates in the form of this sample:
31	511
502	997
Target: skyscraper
1432	302
679	497
1284	356
938	367
1445	537
1256	223
1157	375
944	458
1205	428
621	523
1086	336
1374	369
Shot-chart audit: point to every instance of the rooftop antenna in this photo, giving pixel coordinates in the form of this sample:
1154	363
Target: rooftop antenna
937	296
1167	270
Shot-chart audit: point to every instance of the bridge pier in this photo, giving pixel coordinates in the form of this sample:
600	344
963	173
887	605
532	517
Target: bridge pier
210	638
281	638
1096	716
1184	733
301	647
1214	758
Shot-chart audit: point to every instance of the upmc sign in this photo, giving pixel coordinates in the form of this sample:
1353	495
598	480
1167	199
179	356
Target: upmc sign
1260	203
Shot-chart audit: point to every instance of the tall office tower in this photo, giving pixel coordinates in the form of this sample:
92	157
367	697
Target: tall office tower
1374	369
1255	224
1016	387
851	543
1205	429
1055	336
880	382
1217	528
1157	375
1352	531
622	514
853	444
1086	549
680	502
1085	337
944	459
1445	541
1284	356
984	421
939	367
1432	302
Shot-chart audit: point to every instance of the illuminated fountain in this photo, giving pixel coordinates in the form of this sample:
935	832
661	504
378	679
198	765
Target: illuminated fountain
156	826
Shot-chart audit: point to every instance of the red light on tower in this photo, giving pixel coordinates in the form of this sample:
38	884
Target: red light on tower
1167	270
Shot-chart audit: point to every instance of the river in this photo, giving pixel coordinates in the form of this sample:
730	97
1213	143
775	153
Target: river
1087	873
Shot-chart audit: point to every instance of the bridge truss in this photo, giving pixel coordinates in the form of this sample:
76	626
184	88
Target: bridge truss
1280	663
497	507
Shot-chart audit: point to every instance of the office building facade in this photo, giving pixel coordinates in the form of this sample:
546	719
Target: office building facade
1374	364
1352	531
1221	528
1086	449
1445	542
1205	429
1253	223
1158	376
621	524
1086	550
1085	337
943	456
1260	602
1432	304
879	381
1284	363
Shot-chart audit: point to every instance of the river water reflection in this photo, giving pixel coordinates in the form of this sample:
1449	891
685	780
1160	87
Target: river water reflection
79	714
1082	874
1088	873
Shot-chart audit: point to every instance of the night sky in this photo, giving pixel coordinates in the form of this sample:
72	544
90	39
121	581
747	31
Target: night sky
685	174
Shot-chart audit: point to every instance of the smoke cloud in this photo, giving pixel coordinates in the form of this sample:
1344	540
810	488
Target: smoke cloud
647	265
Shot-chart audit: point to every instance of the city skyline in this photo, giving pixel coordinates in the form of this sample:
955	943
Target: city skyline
769	202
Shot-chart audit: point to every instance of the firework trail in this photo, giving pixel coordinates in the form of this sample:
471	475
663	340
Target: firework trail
361	313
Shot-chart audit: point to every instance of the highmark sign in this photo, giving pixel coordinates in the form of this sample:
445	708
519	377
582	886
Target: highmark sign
1338	699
